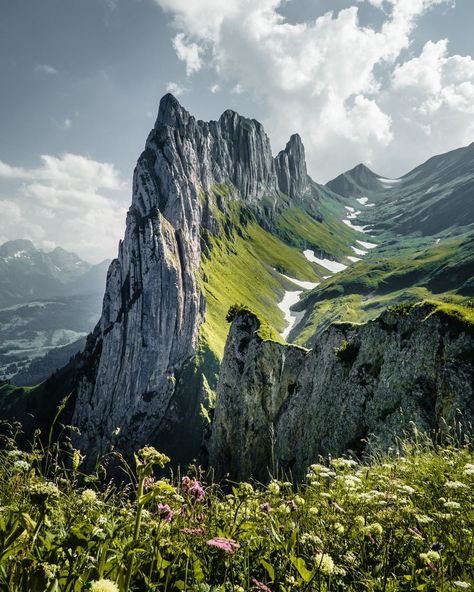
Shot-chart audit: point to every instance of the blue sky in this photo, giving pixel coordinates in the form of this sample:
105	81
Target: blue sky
386	82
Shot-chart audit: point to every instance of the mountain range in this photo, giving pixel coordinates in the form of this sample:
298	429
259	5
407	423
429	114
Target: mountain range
373	274
49	302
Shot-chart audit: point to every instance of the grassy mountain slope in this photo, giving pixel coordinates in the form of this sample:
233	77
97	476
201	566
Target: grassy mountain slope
243	263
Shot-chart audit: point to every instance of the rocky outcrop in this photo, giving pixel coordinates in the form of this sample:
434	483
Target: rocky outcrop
290	166
279	407
142	355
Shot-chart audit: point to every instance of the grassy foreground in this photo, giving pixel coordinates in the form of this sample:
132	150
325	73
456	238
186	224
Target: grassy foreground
402	522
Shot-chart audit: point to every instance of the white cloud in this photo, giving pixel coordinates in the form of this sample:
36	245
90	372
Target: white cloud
175	89
67	123
215	88
46	69
70	200
329	78
188	52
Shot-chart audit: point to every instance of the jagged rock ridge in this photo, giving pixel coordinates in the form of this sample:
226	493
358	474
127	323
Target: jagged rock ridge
138	358
279	406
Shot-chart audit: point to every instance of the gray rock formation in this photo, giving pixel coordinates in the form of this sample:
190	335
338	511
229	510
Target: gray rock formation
291	171
140	358
282	407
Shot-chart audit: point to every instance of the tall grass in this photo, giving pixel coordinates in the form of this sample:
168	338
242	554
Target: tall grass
402	521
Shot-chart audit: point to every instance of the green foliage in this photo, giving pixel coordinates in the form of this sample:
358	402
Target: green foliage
402	522
346	352
265	331
402	309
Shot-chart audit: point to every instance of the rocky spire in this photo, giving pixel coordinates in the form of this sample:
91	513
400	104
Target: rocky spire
290	165
153	307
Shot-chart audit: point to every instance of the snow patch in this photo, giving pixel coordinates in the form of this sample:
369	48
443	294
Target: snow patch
363	200
333	266
354	259
358	251
300	283
367	245
347	222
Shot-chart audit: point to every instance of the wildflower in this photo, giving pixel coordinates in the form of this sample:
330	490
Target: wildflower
49	570
455	485
101	521
194	531
450	505
104	586
150	456
374	529
299	501
430	557
40	493
324	563
423	519
260	585
274	488
227	545
165	512
148	482
197	491
246	488
89	496
408	489
340	463
460	584
21	466
339	528
437	546
265	507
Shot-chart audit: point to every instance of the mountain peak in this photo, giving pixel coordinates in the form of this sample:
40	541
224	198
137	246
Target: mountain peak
12	247
356	182
171	112
290	165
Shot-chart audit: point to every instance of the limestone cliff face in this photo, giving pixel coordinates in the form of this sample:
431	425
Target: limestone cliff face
291	171
279	406
140	354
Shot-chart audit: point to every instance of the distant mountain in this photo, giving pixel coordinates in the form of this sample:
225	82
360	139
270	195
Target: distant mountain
29	273
49	302
358	182
435	197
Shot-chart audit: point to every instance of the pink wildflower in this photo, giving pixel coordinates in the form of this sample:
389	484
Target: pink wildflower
227	545
148	482
197	491
260	585
194	531
165	512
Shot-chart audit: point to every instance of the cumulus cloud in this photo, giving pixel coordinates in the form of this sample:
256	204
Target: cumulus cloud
331	79
69	200
175	89
189	53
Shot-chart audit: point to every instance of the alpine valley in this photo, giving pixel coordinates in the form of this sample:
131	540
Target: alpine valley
255	319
